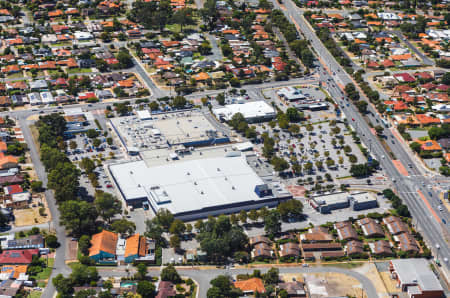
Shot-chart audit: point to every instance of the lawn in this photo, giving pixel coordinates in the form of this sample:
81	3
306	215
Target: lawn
78	70
62	44
176	28
18	75
346	265
45	274
55	72
34	294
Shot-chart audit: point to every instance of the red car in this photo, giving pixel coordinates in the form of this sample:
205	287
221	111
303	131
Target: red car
108	186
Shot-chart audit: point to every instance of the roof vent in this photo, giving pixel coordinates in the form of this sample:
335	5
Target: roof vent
188	173
201	192
131	172
226	178
195	182
139	185
218	169
233	188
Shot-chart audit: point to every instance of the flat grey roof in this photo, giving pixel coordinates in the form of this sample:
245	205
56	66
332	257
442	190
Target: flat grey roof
331	198
189	185
162	130
417	271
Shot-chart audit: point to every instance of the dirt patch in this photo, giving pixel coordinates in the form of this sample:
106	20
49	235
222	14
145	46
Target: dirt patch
389	283
335	284
287	277
30	216
72	251
370	271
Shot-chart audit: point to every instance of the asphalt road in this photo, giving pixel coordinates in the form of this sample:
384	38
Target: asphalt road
427	61
59	264
429	222
203	277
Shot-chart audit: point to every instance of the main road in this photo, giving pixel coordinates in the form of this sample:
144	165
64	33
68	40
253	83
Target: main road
422	202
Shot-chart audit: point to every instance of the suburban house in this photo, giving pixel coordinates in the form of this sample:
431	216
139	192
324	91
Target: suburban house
103	247
139	248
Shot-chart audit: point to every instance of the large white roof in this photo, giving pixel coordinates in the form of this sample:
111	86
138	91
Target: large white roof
250	110
189	185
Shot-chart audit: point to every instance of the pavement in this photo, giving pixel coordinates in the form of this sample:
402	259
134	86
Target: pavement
59	266
435	232
204	276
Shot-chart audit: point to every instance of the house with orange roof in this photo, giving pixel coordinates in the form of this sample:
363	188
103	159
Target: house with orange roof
447	157
400	57
387	63
103	246
8	161
72	11
336	16
374	23
13	271
4	12
371	16
11	69
3	147
231	31
410	120
139	248
47	65
427	120
55	14
250	286
429	145
126	83
15	41
261	35
107	24
201	77
29	66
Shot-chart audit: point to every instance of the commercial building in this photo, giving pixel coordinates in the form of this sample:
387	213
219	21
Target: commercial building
415	277
328	202
363	201
291	94
339	200
196	184
144	132
253	111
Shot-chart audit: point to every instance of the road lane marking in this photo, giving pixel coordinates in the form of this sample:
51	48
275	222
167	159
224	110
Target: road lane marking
424	199
400	167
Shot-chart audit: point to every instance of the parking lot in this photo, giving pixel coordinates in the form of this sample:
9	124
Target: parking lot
101	155
326	148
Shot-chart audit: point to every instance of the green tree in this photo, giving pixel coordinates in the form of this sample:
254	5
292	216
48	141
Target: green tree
146	289
36	186
123	226
272	223
222	287
141	270
51	241
416	147
175	241
84	243
169	273
177	227
290	208
179	102
164	218
154	231
125	59
183	17
78	217
107	205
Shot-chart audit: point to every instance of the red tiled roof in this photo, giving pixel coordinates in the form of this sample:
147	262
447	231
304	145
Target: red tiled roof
24	256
